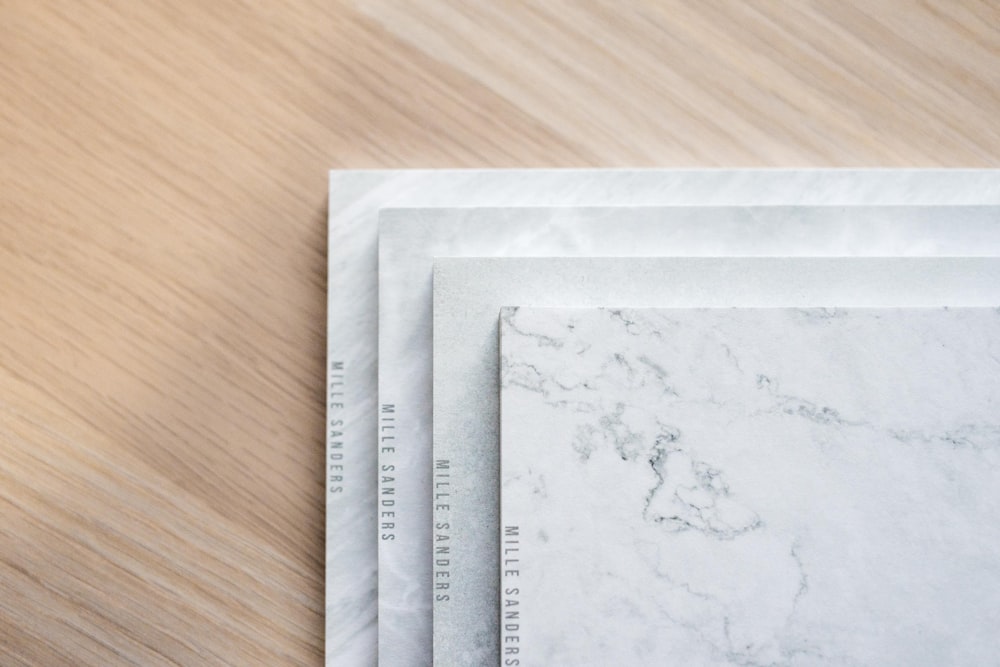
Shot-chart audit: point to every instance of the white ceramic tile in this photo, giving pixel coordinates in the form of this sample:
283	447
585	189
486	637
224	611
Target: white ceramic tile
409	239
352	420
468	294
750	487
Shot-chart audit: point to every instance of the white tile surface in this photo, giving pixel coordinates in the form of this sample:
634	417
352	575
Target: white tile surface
409	239
354	201
468	294
750	487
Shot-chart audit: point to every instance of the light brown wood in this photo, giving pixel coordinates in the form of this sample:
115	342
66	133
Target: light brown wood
162	247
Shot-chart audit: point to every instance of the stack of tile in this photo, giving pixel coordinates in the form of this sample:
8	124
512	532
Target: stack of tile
662	417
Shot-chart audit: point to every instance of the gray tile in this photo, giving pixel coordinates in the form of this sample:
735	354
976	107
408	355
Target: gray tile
468	294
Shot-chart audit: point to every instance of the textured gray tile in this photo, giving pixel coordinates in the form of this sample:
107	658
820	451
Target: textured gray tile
468	294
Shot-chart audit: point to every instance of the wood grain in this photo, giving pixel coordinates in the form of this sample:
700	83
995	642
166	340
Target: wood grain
162	247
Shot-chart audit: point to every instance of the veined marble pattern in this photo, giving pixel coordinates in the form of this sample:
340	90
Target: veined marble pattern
355	198
752	487
410	239
468	294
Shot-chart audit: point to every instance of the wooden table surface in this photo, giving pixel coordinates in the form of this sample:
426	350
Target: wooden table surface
162	247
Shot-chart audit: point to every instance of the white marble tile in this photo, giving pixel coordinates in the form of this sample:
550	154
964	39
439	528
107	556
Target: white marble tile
352	421
751	487
468	294
409	239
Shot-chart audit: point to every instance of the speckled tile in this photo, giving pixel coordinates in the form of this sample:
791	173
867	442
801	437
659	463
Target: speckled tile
468	294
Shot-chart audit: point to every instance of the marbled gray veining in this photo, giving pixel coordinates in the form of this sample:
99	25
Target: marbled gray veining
751	487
